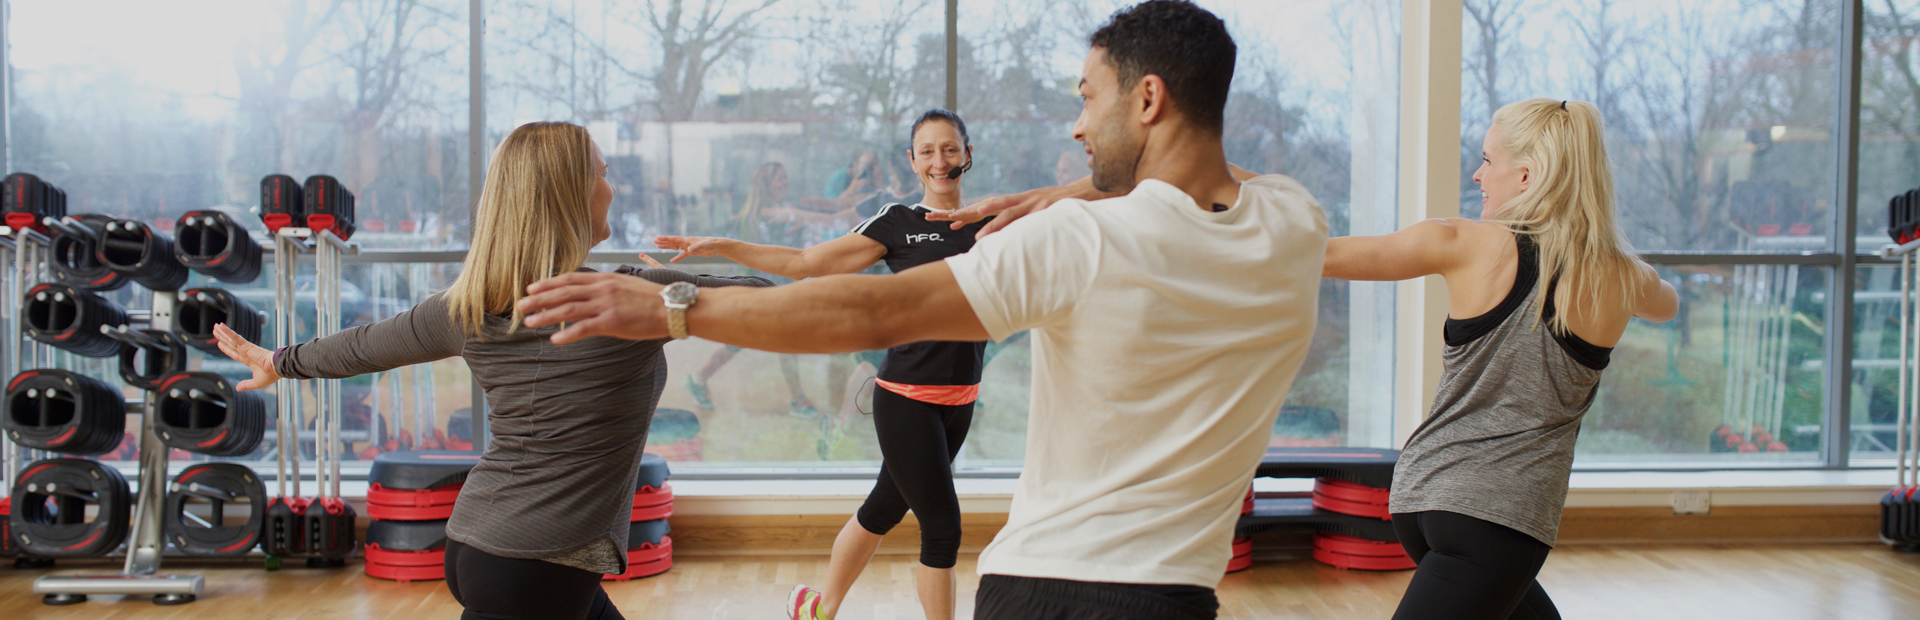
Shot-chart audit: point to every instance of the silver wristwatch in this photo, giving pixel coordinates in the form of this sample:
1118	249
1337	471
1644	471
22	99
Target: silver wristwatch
679	296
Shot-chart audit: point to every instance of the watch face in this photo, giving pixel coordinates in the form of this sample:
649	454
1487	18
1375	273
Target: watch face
679	293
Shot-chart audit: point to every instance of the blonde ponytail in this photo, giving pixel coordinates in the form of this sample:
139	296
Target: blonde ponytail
1568	206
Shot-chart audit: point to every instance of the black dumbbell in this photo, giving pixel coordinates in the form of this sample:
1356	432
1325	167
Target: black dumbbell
281	202
142	253
51	501
329	206
201	412
202	308
210	242
149	355
30	200
61	411
70	319
76	259
220	484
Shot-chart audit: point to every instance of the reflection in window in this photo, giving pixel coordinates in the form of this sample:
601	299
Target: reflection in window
1718	113
148	110
1889	121
1738	376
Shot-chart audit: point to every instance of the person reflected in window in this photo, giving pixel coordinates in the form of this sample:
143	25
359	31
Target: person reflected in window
856	182
545	514
765	217
903	187
924	405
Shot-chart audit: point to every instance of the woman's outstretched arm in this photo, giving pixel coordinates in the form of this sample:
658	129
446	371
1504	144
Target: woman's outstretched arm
422	334
848	254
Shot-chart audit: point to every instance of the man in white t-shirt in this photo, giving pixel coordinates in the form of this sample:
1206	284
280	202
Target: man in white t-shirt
1168	324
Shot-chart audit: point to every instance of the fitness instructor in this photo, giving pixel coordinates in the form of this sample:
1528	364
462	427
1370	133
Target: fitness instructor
1168	325
924	406
545	513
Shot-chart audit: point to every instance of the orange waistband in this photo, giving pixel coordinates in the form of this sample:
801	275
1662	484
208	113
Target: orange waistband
934	394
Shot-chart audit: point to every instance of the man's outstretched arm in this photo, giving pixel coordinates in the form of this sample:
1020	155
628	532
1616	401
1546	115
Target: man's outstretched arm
835	314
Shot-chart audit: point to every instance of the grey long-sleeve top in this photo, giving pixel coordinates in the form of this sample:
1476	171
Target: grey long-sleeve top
568	421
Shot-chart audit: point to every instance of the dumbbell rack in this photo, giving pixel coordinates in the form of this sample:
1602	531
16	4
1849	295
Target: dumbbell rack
1894	530
327	248
147	537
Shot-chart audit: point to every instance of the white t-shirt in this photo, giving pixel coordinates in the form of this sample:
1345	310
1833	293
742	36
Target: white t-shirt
1165	338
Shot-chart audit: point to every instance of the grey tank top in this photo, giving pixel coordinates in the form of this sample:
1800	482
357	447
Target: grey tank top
1498	444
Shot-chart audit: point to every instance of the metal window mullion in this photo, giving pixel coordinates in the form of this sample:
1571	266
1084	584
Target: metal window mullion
1839	338
1709	258
478	429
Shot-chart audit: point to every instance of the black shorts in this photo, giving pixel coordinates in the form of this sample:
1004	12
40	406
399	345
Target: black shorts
1003	597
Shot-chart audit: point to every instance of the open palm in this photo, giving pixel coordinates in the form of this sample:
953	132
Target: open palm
258	359
688	246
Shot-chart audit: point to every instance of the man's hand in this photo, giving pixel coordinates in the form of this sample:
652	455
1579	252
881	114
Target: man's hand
689	246
1015	206
596	304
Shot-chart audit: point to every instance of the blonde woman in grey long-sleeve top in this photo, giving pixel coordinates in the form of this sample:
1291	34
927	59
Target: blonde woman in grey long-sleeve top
546	510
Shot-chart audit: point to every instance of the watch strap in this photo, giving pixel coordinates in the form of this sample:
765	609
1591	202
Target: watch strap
677	323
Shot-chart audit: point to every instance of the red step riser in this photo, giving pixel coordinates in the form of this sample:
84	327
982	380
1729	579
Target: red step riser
1351	508
1347	491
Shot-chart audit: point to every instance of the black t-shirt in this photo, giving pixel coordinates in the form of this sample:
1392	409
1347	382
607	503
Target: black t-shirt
912	241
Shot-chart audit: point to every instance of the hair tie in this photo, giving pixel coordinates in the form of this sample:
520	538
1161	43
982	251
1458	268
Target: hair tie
1563	106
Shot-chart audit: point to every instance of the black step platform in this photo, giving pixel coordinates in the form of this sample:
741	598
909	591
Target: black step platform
1369	466
1298	514
407	535
653	472
423	469
650	532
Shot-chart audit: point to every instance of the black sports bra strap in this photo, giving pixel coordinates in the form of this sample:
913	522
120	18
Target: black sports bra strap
1461	331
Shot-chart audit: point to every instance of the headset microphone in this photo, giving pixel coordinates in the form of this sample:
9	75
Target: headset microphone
956	172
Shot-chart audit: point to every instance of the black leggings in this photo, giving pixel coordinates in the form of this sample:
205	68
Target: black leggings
917	444
1471	569
496	588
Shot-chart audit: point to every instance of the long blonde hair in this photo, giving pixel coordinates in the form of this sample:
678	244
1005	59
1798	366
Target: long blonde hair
759	198
533	221
1568	208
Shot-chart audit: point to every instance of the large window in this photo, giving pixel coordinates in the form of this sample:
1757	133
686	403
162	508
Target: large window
1721	117
692	111
1723	125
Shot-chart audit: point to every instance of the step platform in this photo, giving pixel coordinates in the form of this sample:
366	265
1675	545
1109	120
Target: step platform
1299	514
1347	552
653	473
1371	467
1349	498
1242	555
417	486
653	504
649	550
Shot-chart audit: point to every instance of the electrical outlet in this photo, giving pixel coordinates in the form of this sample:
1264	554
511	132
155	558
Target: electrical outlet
1691	502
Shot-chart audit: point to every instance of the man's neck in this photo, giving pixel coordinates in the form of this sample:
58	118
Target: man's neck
1192	161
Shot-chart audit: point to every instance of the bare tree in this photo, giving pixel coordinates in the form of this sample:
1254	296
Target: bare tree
872	74
1603	43
385	63
1492	63
690	44
1674	101
267	75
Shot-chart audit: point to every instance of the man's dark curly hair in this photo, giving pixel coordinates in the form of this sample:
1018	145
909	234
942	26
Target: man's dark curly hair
1184	44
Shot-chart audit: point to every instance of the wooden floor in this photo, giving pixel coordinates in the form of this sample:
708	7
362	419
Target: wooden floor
1855	582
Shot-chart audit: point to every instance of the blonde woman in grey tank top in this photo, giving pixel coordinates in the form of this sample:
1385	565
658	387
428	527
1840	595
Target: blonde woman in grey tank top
1540	290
